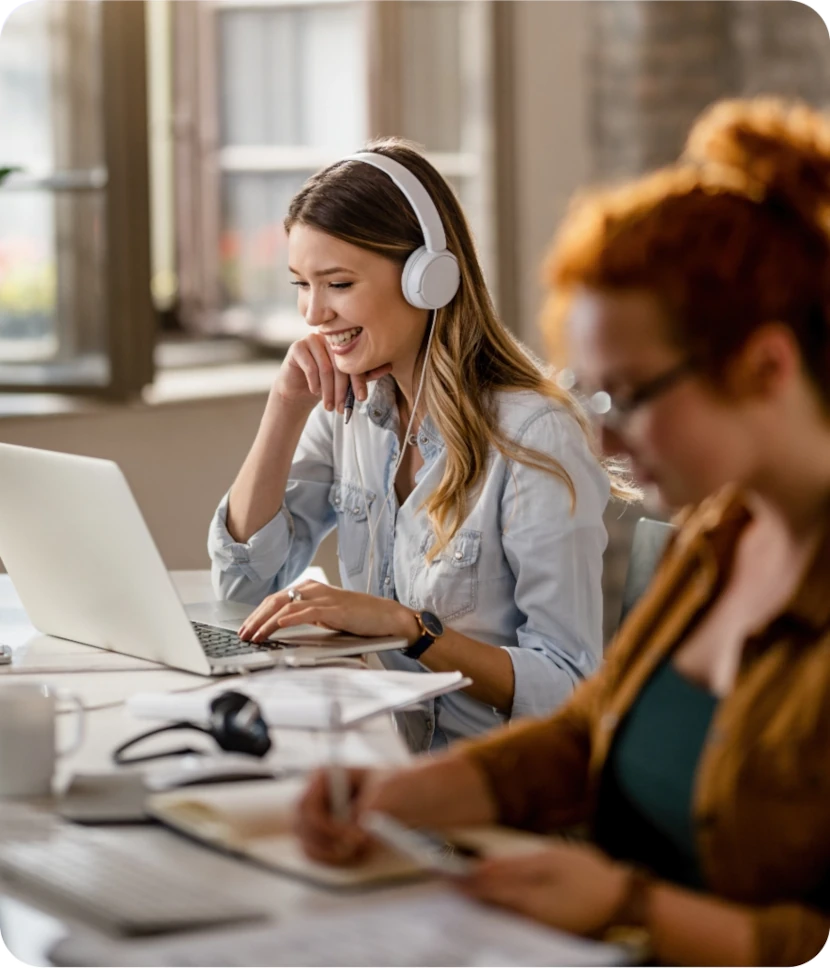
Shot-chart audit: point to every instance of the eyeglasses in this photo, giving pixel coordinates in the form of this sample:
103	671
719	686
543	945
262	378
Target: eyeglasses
614	413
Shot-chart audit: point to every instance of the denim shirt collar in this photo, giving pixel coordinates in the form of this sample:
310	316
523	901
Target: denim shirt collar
381	410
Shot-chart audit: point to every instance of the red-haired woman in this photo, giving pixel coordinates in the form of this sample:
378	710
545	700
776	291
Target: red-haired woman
696	307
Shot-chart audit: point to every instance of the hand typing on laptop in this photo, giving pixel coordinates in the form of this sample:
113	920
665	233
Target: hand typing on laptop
313	603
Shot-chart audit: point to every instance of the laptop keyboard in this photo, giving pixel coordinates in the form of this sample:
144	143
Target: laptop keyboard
220	643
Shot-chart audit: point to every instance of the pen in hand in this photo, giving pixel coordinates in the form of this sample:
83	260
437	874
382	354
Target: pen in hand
339	792
348	406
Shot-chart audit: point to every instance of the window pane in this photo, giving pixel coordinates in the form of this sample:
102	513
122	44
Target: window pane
293	76
51	298
51	236
253	250
50	86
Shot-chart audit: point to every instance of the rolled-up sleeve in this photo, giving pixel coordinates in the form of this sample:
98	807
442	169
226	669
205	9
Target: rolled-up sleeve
281	550
555	554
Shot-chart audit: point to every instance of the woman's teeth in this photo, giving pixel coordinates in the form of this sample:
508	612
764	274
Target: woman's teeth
339	339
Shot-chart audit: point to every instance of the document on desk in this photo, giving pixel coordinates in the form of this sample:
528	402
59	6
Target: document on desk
301	698
437	928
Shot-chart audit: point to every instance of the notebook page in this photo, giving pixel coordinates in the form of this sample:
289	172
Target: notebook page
231	813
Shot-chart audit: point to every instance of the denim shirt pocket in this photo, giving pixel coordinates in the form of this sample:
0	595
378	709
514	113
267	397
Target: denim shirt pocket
452	577
352	510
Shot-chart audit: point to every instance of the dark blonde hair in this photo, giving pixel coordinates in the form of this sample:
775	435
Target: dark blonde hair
733	236
473	355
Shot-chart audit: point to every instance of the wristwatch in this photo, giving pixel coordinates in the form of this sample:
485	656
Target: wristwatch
432	628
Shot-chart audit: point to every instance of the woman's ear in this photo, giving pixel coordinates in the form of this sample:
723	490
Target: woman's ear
767	364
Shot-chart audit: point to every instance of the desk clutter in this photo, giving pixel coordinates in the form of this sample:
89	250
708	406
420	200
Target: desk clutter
189	857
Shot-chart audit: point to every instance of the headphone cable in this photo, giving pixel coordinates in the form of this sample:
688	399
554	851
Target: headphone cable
373	527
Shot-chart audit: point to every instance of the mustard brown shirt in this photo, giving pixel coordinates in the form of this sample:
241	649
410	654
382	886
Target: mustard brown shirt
761	796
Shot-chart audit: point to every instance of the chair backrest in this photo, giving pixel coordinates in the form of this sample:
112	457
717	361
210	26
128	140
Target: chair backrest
647	547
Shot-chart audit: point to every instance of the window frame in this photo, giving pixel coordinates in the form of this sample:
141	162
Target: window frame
129	320
202	161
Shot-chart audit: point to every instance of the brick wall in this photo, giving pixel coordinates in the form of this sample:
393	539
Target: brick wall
655	64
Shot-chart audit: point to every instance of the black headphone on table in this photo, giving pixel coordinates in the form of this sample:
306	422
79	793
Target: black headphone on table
235	721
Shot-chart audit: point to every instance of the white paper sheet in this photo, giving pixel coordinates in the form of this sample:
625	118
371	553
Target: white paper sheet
301	699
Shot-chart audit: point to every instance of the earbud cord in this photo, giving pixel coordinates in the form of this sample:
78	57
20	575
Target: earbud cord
373	527
121	760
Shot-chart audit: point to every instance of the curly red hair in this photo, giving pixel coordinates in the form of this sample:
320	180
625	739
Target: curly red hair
735	235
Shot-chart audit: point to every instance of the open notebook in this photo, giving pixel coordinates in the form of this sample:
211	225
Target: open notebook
254	820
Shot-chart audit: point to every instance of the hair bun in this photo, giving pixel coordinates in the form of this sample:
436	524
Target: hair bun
781	149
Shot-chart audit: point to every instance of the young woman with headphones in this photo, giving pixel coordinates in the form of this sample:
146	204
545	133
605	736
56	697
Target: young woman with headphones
465	491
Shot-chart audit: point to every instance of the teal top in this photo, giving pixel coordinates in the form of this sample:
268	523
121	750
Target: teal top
645	812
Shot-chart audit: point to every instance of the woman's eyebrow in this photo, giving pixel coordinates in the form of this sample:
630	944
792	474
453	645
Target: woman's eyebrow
323	272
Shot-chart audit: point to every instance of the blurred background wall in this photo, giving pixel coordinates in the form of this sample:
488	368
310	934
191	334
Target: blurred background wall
143	290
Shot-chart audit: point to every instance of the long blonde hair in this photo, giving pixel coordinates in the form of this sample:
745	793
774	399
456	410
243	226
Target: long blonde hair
473	355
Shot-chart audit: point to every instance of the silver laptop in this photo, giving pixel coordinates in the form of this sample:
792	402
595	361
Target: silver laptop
86	568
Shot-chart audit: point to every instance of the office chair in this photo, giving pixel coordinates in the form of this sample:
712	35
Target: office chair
647	547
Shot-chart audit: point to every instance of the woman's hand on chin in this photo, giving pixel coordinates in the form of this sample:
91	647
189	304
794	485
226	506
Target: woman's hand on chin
330	608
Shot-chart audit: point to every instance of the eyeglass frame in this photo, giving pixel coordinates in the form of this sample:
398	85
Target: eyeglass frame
617	413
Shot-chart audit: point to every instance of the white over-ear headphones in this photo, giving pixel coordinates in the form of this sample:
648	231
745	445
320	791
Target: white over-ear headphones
431	276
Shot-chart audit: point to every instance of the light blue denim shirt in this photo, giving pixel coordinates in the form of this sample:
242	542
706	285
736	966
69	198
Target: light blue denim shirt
522	574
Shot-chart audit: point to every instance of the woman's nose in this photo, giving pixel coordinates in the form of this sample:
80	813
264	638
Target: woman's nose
316	311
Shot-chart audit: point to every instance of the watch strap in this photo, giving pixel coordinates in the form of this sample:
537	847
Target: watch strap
417	649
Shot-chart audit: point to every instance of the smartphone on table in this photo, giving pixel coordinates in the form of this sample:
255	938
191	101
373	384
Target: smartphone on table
428	849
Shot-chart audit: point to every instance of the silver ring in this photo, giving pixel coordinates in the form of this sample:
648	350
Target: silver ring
294	595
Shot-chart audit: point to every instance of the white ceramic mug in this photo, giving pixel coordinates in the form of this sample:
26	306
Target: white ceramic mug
28	744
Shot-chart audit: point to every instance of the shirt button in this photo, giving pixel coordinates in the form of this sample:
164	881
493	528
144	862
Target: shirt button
355	510
422	439
387	580
458	556
337	500
376	413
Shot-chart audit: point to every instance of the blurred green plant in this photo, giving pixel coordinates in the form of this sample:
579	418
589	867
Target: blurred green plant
28	285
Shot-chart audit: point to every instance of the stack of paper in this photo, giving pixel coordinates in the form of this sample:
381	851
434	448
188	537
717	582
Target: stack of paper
302	699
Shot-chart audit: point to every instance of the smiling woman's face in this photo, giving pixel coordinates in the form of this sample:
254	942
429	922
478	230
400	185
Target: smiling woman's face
353	297
683	443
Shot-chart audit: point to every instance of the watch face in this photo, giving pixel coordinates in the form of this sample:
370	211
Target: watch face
432	624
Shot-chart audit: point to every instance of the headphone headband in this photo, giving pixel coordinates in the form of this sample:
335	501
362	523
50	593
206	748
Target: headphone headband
431	275
418	197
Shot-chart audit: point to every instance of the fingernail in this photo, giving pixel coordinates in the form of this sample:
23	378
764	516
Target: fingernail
361	394
329	406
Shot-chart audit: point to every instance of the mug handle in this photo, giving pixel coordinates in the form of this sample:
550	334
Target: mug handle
80	731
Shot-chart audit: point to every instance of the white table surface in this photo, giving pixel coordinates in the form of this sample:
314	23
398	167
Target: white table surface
28	933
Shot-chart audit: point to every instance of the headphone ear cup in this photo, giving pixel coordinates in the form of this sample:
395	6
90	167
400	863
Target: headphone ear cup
430	280
248	735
